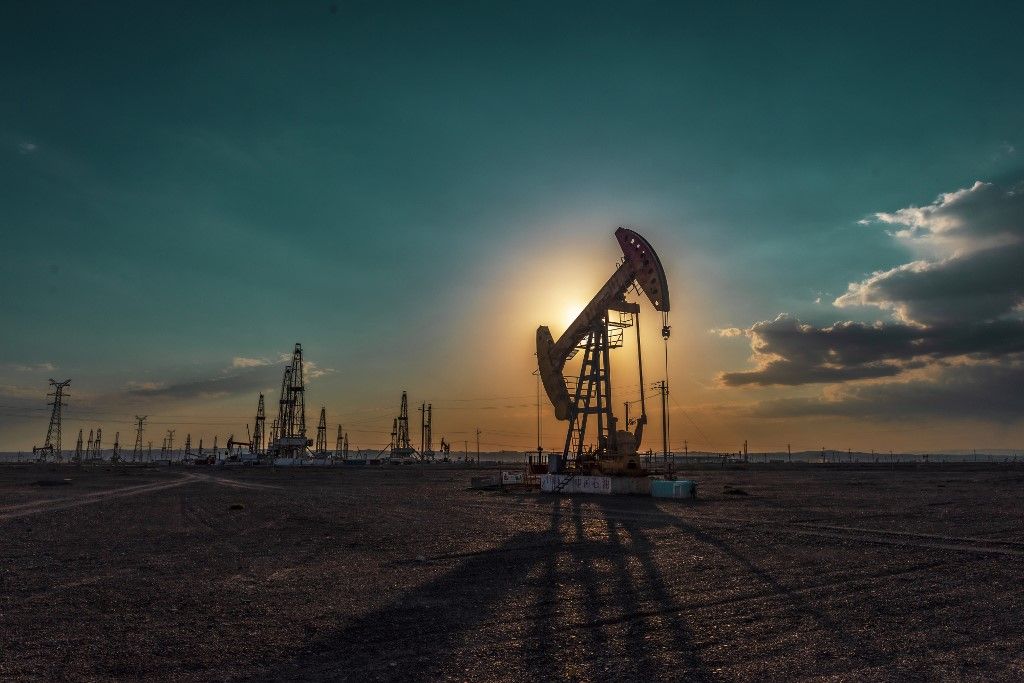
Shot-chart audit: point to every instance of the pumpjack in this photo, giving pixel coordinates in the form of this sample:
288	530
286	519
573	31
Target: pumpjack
598	328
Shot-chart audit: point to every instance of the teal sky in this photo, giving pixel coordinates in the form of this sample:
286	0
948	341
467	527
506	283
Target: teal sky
390	184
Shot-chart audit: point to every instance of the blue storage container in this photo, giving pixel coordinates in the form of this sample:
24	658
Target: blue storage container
681	488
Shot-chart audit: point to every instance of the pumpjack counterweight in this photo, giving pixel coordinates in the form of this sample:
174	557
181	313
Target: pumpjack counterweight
596	330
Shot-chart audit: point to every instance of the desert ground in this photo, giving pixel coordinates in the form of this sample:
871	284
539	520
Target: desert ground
773	573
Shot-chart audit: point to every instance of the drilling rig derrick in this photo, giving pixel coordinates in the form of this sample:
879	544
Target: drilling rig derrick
289	432
598	329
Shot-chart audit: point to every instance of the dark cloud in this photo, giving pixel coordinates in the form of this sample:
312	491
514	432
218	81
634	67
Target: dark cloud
988	392
964	300
793	352
978	285
975	237
246	375
243	380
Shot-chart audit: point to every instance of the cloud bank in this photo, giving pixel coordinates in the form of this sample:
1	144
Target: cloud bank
959	303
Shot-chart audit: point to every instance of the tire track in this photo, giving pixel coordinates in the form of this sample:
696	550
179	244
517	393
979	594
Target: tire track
54	505
58	504
904	539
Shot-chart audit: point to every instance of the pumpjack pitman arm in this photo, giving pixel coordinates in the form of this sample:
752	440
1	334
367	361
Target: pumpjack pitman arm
642	266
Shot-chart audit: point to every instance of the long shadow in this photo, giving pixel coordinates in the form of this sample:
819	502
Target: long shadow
664	650
603	631
576	595
857	647
414	635
538	652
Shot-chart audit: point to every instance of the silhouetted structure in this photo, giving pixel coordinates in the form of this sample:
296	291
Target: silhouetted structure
400	446
321	433
426	431
595	331
259	429
97	445
290	430
52	444
78	448
140	423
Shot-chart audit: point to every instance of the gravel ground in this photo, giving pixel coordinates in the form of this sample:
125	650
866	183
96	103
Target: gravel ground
775	573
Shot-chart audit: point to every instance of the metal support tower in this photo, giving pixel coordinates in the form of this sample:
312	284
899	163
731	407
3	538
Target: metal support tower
88	446
258	432
426	436
321	432
400	446
290	433
170	443
52	443
97	444
115	454
188	444
78	447
339	444
140	423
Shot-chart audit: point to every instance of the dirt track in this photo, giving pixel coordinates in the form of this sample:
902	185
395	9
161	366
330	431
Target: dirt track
405	574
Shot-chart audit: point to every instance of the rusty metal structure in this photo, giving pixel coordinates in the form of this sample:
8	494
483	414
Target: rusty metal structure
600	327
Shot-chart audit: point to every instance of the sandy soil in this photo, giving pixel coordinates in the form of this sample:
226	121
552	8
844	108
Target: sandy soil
849	574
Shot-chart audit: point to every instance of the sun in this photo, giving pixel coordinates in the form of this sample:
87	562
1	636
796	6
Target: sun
570	312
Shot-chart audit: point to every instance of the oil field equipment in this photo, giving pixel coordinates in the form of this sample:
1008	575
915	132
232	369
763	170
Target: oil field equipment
289	434
599	328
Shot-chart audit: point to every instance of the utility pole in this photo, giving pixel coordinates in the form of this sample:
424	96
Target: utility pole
140	421
170	443
789	450
52	443
540	449
478	446
115	455
662	386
